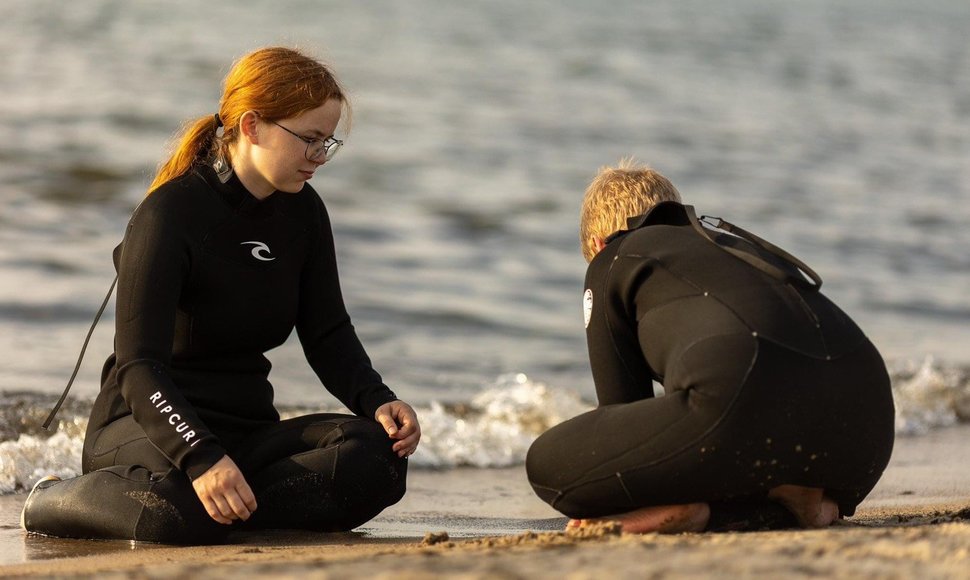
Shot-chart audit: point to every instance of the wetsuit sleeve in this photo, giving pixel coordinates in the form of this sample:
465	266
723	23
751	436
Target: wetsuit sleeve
326	333
620	371
152	268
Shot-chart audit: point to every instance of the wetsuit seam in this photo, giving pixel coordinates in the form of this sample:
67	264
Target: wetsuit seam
701	292
737	316
336	455
673	301
789	288
827	357
141	511
609	322
93	454
729	407
619	477
811	313
815	319
141	507
687	446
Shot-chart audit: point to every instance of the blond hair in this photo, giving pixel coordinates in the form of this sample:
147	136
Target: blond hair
618	193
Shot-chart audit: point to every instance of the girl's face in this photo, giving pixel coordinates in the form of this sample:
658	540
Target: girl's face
277	159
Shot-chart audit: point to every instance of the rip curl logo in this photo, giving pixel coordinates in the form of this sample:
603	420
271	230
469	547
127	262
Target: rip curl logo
258	249
587	307
174	419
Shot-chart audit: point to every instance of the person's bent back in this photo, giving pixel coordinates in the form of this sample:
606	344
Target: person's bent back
771	391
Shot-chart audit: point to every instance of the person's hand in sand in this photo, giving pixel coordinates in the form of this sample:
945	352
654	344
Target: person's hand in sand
224	492
401	423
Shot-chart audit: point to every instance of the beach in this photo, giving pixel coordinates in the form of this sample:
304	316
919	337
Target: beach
926	546
916	523
838	131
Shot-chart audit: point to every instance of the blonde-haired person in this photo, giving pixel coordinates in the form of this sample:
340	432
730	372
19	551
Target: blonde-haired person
625	190
228	253
776	411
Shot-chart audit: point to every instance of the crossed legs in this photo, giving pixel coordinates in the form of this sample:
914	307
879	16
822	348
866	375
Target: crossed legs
317	472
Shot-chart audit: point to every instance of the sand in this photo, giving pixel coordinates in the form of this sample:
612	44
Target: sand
896	543
916	524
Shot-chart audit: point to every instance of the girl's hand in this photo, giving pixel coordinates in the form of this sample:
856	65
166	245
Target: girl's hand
224	492
401	423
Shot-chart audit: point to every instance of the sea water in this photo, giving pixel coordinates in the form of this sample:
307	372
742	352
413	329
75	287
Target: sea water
840	131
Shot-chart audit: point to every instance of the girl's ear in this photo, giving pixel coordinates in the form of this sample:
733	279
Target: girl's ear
248	125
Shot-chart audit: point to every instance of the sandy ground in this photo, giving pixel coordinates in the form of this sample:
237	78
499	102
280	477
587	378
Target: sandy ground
916	524
895	543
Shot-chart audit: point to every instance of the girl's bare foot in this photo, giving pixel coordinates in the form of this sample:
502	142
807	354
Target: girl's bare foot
667	519
811	506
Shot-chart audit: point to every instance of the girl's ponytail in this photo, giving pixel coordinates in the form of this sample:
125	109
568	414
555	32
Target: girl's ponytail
195	146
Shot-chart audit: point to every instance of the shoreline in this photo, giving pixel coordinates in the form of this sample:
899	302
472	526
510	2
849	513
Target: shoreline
916	523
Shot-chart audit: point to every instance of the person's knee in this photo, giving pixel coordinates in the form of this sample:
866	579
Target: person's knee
534	471
368	476
544	472
563	484
541	461
366	432
366	453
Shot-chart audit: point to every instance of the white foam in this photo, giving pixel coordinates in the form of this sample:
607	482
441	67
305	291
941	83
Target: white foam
29	458
497	427
929	396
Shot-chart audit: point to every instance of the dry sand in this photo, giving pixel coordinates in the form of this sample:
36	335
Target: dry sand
916	524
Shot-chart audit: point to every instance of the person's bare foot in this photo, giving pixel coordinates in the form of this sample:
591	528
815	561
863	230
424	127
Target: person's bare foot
812	508
667	519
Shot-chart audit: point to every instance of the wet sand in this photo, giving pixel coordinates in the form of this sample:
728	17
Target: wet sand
473	523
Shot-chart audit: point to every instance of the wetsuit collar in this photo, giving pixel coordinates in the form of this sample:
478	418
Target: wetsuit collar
227	184
666	212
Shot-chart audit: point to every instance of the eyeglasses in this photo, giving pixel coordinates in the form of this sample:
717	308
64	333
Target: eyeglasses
316	149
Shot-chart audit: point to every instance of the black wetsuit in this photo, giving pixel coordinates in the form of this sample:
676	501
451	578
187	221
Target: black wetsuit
210	278
766	381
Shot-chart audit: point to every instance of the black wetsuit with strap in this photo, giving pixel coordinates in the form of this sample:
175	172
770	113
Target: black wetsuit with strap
211	278
766	381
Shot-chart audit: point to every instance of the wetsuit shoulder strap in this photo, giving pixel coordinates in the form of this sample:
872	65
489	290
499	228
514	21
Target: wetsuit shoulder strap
80	357
772	270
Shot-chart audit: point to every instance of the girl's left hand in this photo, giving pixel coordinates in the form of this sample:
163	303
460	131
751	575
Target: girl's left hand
401	423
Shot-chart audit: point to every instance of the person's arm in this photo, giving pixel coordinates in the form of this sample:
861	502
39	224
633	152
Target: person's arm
152	268
620	371
334	351
323	325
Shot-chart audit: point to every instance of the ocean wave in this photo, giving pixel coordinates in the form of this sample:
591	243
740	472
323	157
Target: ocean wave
492	429
930	395
497	427
29	458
